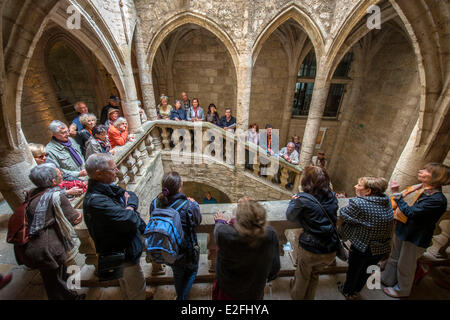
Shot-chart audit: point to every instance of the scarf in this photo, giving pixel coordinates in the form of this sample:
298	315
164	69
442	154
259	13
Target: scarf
105	145
73	152
410	196
71	240
38	222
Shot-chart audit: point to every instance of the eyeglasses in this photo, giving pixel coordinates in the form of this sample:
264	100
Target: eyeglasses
113	170
42	156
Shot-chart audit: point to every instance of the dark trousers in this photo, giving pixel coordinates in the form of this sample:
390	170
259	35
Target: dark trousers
184	279
55	284
357	275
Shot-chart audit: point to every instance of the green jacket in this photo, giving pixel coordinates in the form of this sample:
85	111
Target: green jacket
62	156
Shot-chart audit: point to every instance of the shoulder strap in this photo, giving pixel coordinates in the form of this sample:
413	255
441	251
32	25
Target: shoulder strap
310	197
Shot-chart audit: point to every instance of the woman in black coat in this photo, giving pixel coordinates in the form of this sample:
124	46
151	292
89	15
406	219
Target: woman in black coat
418	208
318	242
248	255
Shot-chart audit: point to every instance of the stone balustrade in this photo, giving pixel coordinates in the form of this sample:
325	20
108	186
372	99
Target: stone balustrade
141	170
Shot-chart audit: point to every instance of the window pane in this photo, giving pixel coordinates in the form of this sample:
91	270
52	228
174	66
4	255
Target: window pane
308	67
334	100
344	66
302	98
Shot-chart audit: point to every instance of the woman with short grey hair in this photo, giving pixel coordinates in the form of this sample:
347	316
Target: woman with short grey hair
51	244
118	133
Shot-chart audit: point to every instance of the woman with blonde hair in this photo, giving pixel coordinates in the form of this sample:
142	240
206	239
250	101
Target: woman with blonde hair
367	221
248	255
164	108
417	209
71	186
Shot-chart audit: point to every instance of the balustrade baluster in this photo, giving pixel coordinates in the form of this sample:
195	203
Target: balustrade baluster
212	251
166	138
284	176
156	139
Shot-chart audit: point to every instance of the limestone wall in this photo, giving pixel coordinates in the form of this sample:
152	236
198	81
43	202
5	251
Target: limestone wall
384	116
243	21
70	77
202	67
234	183
269	82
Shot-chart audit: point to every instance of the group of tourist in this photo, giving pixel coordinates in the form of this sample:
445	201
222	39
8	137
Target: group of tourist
248	248
374	227
187	110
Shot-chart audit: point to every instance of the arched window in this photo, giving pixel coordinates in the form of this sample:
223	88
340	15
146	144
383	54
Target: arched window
305	86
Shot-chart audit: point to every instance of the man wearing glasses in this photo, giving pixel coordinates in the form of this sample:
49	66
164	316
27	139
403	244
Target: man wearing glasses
110	213
63	150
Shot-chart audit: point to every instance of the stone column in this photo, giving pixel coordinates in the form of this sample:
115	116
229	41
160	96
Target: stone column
244	84
318	101
405	171
129	105
15	166
145	76
350	102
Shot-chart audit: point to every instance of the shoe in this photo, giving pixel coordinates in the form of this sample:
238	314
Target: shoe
390	291
81	297
5	280
347	296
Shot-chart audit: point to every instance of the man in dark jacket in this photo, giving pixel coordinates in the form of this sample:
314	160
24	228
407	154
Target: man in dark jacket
114	102
228	122
113	222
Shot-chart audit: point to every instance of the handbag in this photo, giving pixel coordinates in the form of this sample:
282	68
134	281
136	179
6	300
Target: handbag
342	249
110	266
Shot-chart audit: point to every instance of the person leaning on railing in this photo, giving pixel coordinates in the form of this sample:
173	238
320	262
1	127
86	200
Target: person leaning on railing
99	141
248	255
178	114
318	242
417	210
118	133
367	221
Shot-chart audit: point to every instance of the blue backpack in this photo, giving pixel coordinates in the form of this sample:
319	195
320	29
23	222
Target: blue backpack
164	233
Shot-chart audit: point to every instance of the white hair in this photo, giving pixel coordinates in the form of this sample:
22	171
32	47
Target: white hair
291	143
43	175
119	121
55	126
97	161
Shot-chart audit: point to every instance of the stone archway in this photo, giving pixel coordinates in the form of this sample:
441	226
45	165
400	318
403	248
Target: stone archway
275	75
197	191
303	19
194	60
191	18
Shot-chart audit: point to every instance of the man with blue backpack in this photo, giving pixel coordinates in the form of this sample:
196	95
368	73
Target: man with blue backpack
170	234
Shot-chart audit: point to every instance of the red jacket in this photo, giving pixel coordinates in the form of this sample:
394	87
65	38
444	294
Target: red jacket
117	138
